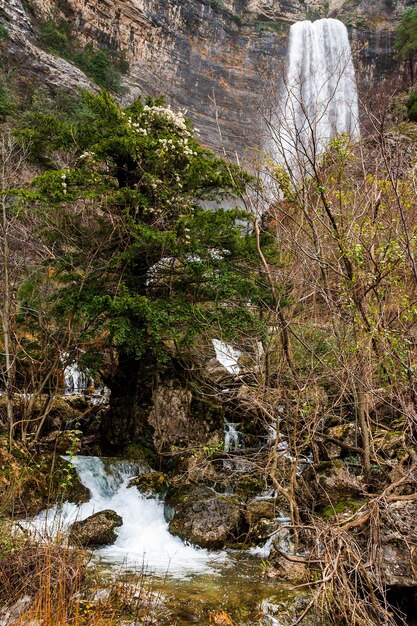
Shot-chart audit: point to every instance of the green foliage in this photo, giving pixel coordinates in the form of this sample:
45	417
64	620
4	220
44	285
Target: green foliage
4	33
102	66
406	35
7	101
412	106
275	27
147	264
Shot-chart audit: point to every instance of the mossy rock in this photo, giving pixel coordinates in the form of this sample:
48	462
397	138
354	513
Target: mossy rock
339	509
97	530
151	483
391	443
29	482
249	486
205	518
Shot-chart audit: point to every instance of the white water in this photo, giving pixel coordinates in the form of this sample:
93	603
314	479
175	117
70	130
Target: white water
320	97
231	437
227	356
144	538
75	380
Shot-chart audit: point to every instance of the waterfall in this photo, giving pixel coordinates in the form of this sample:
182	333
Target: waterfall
76	381
231	436
319	97
144	538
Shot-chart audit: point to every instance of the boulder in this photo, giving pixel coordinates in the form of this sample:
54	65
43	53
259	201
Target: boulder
151	483
96	530
204	517
328	483
345	433
259	509
263	520
171	417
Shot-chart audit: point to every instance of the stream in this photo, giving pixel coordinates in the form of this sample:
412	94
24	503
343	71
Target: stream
192	581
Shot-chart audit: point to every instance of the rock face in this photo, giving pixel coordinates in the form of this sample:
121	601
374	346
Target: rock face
171	417
96	530
398	543
330	483
205	518
220	60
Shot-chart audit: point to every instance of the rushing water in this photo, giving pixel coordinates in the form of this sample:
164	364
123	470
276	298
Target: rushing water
189	581
319	96
144	538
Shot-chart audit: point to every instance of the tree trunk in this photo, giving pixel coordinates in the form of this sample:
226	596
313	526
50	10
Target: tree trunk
130	403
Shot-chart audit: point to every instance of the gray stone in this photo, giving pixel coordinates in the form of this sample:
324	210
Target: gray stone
204	517
97	530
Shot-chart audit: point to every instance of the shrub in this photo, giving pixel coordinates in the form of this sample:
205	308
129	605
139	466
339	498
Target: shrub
412	106
7	102
4	33
104	67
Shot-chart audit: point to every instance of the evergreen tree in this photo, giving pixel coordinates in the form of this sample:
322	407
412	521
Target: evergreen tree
406	39
138	256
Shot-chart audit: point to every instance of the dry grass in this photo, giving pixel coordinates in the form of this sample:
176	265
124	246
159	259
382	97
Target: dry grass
50	577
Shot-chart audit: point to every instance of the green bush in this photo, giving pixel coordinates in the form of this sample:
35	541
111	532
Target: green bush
412	106
102	66
7	102
99	66
4	33
55	37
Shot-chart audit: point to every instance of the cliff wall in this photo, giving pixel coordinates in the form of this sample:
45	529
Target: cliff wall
220	60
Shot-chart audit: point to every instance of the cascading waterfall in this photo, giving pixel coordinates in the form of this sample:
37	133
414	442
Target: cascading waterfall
231	436
144	538
319	96
75	380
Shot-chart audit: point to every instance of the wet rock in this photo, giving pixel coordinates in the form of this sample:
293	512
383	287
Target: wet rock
260	516
259	509
151	483
97	530
204	517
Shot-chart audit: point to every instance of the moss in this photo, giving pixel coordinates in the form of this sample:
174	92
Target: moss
274	27
140	453
325	466
338	508
219	5
151	483
29	481
249	486
4	32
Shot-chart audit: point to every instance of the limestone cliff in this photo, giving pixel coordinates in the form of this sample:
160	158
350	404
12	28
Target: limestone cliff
219	59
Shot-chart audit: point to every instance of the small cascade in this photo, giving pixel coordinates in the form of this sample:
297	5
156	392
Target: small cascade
231	437
319	95
76	381
144	538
